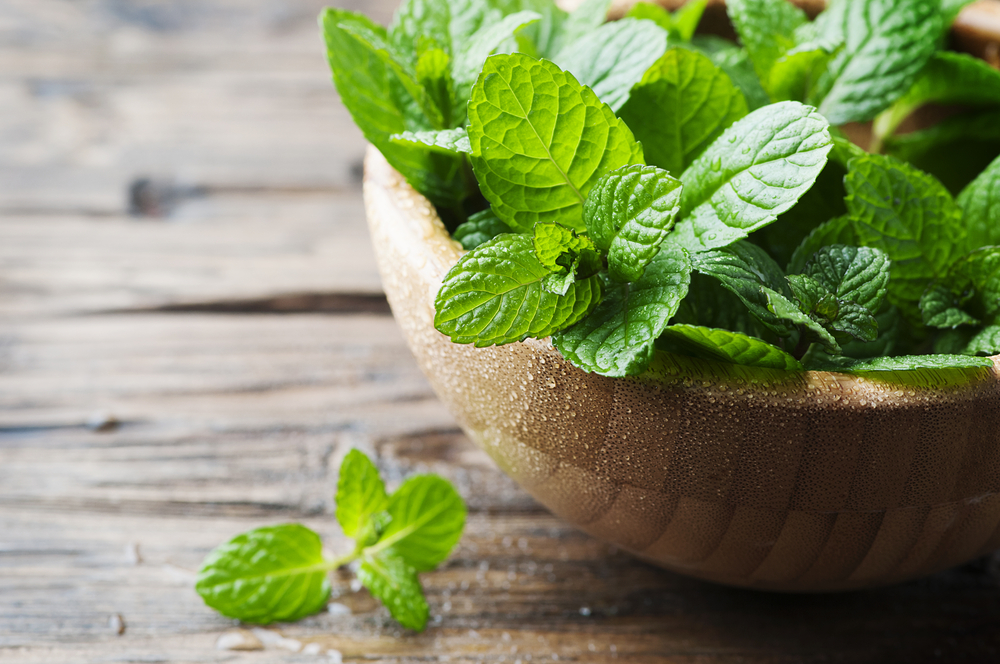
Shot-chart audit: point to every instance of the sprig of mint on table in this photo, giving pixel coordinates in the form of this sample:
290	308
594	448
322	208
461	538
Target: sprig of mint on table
279	573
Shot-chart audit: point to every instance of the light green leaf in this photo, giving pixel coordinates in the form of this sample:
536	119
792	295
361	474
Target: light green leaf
742	268
480	228
433	70
394	583
766	29
858	274
755	171
911	217
628	214
446	141
687	18
732	347
822	362
557	246
417	21
589	16
980	203
783	307
471	55
839	230
494	295
795	74
949	78
682	104
428	516
370	90
360	493
650	11
617	337
613	58
886	45
540	141
270	574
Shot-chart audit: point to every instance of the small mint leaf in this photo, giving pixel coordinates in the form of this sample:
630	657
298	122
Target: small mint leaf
766	29
839	230
428	517
783	307
726	346
480	228
393	582
360	493
985	342
556	246
980	203
447	141
858	274
942	308
433	72
270	574
628	214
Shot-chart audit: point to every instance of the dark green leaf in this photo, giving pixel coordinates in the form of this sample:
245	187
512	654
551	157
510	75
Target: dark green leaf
428	516
732	347
858	274
839	230
494	295
394	583
767	30
822	362
890	338
617	337
815	301
980	203
275	573
985	342
360	493
683	103
734	60
886	45
755	171
708	304
613	58
628	214
942	308
480	228
447	141
540	141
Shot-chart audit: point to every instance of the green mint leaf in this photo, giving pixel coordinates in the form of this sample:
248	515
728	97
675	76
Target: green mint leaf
833	313
360	493
709	304
393	582
891	332
742	268
985	342
447	141
371	92
755	171
613	58
557	246
911	217
589	16
270	574
886	45
617	338
471	55
682	104
417	21
733	60
980	203
942	308
687	18
839	230
540	141
858	274
816	300
628	214
650	11
949	78
428	516
795	75
494	295
732	347
479	229
818	361
767	30
433	71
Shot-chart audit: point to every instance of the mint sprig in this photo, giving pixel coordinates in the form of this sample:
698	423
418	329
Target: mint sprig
279	573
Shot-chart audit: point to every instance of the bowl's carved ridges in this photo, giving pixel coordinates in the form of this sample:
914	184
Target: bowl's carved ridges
755	477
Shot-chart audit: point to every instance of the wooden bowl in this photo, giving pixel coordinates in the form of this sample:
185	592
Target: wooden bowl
789	481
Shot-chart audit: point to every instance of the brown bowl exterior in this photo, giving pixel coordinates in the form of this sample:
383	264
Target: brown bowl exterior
788	481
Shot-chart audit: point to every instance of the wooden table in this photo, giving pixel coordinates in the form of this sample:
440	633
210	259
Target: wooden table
232	324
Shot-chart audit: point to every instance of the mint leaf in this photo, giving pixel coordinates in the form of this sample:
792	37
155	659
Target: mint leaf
742	268
447	141
360	493
433	71
270	574
480	228
568	255
709	304
416	22
886	45
628	214
985	342
980	203
588	16
732	347
949	78
839	230
393	582
911	217
766	28
796	73
891	336
822	362
682	104
970	292
736	63
832	312
858	274
680	26
494	296
756	170
617	337
942	308
815	300
540	141
372	93
613	58
428	516
471	54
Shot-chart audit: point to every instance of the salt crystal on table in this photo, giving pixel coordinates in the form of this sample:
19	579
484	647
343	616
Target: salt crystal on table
238	640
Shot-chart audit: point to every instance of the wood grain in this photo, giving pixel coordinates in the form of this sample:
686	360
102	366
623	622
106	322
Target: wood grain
232	416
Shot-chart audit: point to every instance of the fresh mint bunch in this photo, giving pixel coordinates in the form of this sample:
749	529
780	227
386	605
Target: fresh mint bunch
280	573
